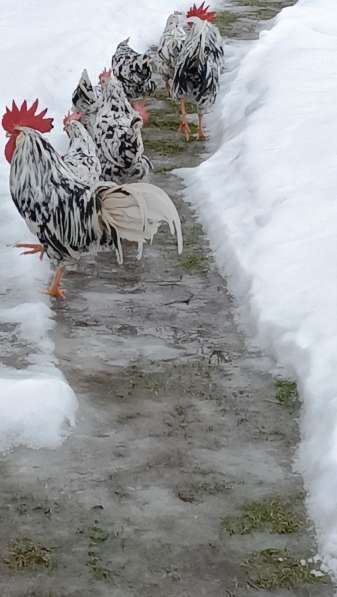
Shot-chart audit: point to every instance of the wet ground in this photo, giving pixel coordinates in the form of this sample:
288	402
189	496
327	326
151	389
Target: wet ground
178	480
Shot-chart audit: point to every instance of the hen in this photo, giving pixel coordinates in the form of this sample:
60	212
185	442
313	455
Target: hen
133	70
170	46
115	127
68	217
197	73
118	135
86	101
81	156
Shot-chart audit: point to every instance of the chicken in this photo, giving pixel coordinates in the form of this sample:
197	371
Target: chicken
197	73
115	127
81	156
170	46
118	135
86	101
133	70
68	217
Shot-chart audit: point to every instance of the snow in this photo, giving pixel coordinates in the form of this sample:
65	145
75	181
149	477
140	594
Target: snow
45	46
46	403
268	198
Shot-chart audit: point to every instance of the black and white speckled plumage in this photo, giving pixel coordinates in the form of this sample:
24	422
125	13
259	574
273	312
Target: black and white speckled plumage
86	100
81	156
69	218
197	74
57	207
115	127
133	70
118	137
171	44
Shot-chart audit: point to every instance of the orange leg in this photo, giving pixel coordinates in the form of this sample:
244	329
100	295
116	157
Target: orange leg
201	135
34	248
184	127
54	289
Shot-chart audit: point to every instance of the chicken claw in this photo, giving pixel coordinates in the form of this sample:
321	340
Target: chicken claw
201	136
185	129
54	289
34	248
55	293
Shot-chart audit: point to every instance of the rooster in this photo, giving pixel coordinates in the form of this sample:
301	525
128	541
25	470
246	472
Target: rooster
81	156
197	73
133	70
68	217
118	135
170	46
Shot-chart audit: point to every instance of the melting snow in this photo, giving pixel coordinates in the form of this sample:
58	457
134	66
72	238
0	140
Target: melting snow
269	199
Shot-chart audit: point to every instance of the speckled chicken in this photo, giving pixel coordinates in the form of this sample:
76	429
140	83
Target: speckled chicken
197	73
170	46
133	70
118	135
81	155
115	126
68	217
85	100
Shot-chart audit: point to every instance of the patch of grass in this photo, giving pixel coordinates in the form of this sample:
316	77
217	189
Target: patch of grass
224	20
273	514
264	9
97	534
164	147
197	490
286	393
193	262
161	120
160	94
276	568
164	170
202	488
25	554
97	568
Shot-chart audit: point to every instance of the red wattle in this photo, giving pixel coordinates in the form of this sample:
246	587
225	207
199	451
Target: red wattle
140	108
10	148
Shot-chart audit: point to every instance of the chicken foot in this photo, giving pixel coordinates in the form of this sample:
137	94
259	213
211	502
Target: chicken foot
184	126
54	289
33	249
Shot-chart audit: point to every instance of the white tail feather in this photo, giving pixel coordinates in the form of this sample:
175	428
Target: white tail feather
136	211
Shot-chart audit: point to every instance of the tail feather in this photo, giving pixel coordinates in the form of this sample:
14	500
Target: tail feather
137	210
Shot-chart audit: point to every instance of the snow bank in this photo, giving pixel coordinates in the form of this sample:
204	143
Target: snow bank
44	47
35	412
269	199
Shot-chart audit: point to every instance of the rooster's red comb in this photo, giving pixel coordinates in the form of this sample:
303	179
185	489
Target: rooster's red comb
201	12
25	116
105	74
70	117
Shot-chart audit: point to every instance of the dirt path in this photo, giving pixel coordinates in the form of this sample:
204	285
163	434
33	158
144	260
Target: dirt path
177	480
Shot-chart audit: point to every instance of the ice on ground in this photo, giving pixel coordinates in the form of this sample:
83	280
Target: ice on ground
269	199
45	46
